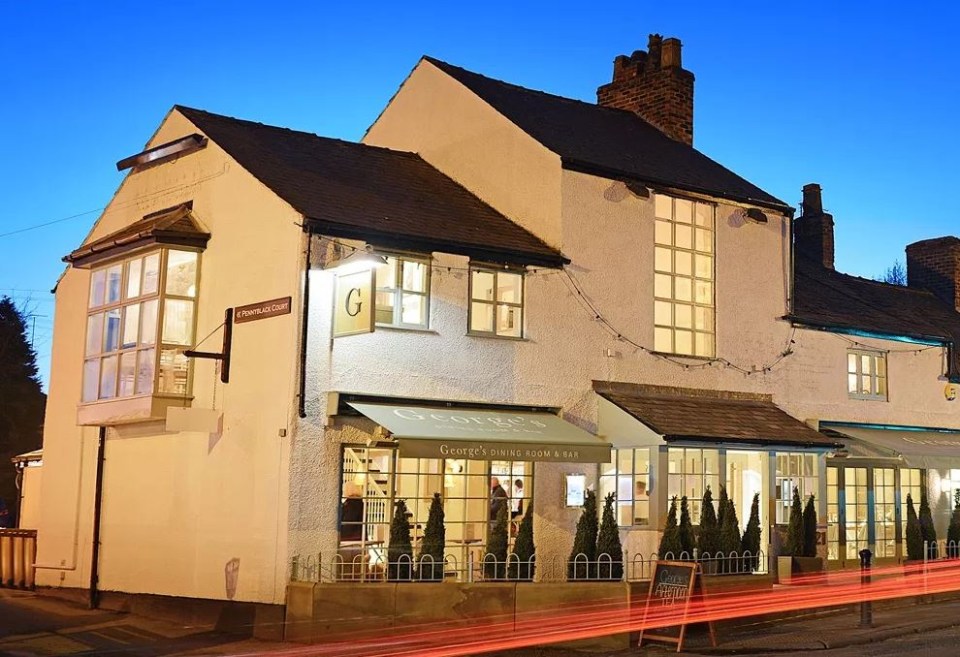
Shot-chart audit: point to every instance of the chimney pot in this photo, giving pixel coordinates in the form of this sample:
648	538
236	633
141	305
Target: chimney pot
670	54
812	199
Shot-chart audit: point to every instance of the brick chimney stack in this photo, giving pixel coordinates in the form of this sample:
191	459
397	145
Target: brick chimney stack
934	265
813	229
654	85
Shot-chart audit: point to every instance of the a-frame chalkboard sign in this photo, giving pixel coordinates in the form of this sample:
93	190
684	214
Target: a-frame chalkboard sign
673	584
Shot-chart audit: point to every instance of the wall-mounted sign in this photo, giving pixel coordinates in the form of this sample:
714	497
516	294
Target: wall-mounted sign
575	489
261	310
950	392
353	304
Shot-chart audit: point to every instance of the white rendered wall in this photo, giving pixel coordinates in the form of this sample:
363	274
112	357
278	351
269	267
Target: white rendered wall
178	507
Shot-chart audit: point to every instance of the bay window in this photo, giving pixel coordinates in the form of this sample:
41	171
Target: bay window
140	318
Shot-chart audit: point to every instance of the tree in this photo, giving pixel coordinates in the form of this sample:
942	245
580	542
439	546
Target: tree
794	543
722	505
896	274
729	542
670	541
495	568
685	530
523	565
750	543
585	541
810	528
953	531
927	531
400	548
21	400
608	543
914	535
709	536
433	543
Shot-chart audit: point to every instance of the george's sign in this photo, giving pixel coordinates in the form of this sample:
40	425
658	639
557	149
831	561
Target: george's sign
353	309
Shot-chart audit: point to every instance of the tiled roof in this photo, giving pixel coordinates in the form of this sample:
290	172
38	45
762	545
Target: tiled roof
828	299
173	226
609	142
385	197
712	415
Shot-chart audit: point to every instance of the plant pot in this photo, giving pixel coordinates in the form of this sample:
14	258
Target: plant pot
788	568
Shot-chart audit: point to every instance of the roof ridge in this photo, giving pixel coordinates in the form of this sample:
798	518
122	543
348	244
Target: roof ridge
214	115
622	112
872	281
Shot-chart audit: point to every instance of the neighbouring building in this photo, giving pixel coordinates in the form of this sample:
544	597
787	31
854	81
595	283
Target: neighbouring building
270	337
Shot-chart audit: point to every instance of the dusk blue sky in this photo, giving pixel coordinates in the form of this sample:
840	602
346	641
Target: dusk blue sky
859	97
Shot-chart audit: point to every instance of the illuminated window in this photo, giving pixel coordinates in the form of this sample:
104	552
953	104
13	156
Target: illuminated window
627	476
140	318
683	307
403	293
496	302
795	470
911	483
855	511
866	374
885	512
690	471
833	513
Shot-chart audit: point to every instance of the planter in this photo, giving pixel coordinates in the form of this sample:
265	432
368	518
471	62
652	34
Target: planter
788	568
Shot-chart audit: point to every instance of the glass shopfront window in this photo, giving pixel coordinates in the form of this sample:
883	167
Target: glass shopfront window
471	491
627	476
795	471
690	471
833	513
746	477
855	511
885	512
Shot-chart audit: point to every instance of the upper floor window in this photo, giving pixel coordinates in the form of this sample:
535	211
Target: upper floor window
866	374
140	317
683	277
403	293
496	302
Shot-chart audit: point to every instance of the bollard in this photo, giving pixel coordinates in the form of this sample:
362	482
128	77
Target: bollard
866	607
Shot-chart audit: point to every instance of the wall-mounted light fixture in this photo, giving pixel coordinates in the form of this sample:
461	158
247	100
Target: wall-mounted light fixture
359	260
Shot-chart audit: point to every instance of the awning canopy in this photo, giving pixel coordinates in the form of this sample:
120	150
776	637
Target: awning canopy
485	434
935	449
684	414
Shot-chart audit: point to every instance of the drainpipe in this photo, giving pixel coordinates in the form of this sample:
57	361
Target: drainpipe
304	326
97	504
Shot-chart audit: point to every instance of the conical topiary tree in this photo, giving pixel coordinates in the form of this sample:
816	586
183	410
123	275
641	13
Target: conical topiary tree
750	543
810	528
433	543
495	559
685	530
608	543
729	543
914	535
793	546
400	548
585	541
722	505
522	563
953	531
927	531
670	541
709	536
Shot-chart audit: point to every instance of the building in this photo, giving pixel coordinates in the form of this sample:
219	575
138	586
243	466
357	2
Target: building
497	282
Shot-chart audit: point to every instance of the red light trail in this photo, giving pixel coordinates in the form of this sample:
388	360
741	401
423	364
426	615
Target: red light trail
614	616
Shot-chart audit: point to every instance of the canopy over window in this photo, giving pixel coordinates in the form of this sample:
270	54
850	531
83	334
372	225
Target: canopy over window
917	447
485	434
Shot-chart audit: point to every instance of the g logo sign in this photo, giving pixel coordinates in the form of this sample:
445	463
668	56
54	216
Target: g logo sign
350	306
950	392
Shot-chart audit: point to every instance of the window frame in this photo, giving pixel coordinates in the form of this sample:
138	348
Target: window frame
398	291
616	474
496	304
123	303
694	253
874	377
796	475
